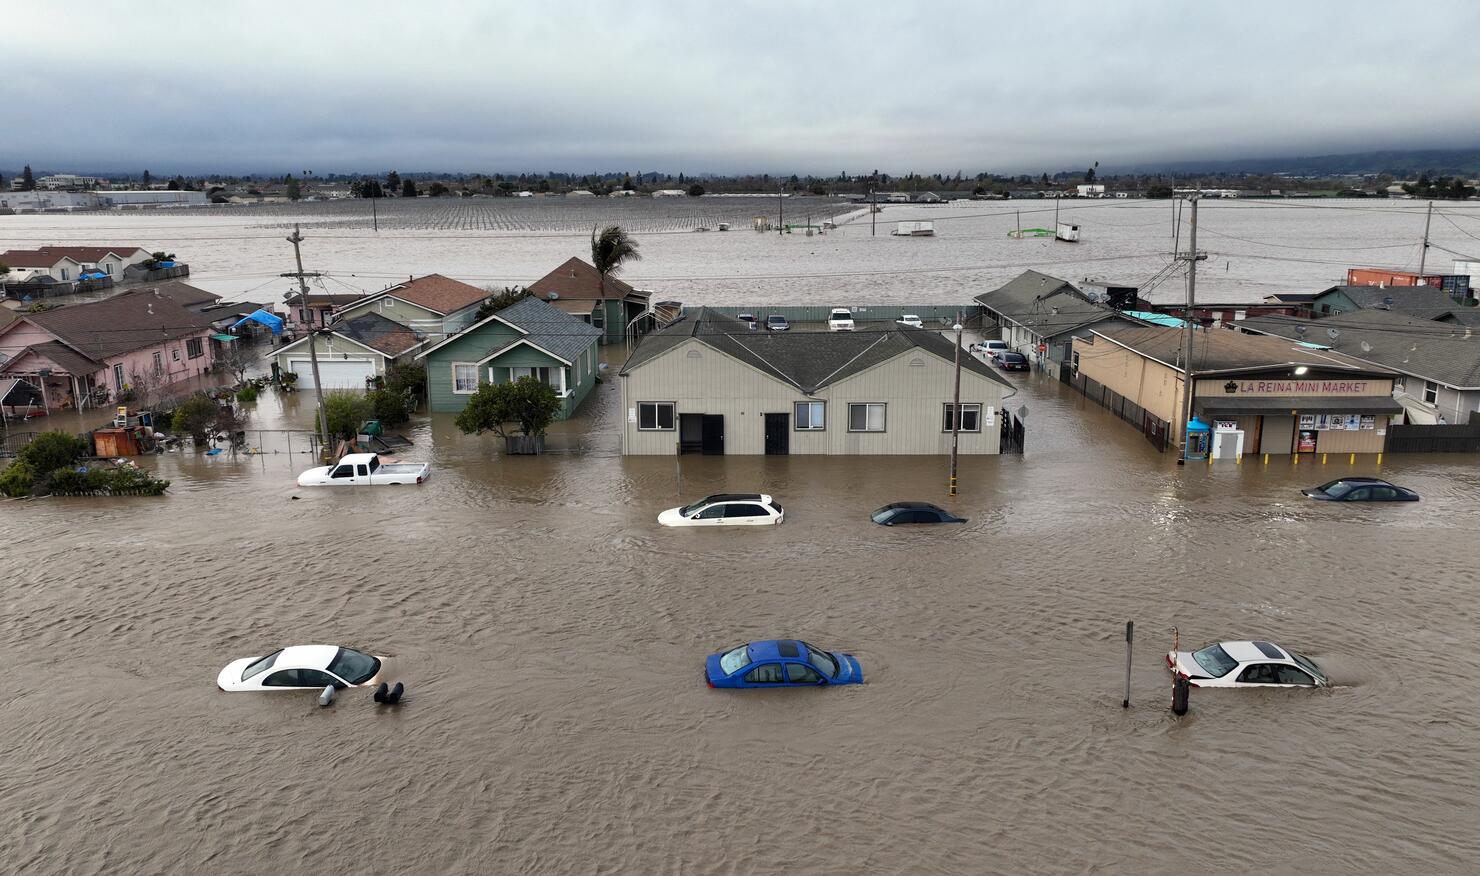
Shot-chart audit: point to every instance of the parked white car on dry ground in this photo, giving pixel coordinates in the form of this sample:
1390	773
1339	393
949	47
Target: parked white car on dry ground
840	320
302	667
365	469
1246	664
726	509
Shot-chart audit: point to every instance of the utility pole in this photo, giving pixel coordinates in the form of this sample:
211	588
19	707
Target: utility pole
873	212
956	407
780	189
313	341
1192	259
374	214
1423	254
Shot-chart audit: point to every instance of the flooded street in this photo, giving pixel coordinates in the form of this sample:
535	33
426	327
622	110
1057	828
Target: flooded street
551	638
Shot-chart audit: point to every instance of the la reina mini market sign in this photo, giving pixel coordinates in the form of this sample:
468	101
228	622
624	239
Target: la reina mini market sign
1306	387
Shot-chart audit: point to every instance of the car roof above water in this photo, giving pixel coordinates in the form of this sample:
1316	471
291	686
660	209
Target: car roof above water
1245	651
737	497
306	657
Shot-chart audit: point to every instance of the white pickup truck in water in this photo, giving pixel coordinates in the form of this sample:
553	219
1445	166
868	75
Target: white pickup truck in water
365	469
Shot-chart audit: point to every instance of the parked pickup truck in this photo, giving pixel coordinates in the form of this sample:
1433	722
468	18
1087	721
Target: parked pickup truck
365	469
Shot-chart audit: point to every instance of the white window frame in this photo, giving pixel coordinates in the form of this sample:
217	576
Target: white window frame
884	416
158	362
966	407
672	416
820	419
457	365
175	354
1430	388
194	348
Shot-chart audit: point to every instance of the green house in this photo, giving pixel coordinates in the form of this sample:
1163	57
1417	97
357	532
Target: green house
620	311
526	339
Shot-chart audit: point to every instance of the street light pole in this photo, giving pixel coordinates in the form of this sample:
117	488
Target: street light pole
956	408
1187	384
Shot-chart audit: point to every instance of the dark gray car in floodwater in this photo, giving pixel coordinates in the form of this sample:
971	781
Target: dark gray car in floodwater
1361	490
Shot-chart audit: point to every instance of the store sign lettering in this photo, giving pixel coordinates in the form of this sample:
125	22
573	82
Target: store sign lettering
1300	387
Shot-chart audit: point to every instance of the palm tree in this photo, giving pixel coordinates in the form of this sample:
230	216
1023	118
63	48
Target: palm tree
610	250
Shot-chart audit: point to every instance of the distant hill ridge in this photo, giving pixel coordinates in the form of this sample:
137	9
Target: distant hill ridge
1398	162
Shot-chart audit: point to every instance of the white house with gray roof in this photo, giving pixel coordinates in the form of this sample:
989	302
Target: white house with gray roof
709	384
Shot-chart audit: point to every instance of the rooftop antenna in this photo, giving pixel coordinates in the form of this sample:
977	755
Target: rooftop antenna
1333	334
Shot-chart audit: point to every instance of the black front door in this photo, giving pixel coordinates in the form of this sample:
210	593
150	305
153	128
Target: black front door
714	435
778	434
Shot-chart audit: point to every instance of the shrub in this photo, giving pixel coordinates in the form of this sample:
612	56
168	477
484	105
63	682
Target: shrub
17	479
52	450
389	406
247	393
406	377
345	410
69	480
195	416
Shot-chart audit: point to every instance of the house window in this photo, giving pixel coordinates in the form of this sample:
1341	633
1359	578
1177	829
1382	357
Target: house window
655	416
1431	392
866	417
108	269
385	304
158	362
175	355
464	378
971	418
193	348
542	374
66	274
118	377
810	416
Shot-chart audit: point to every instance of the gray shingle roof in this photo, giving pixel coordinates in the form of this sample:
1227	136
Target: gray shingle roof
807	360
1045	305
550	328
1424	302
1217	350
1437	351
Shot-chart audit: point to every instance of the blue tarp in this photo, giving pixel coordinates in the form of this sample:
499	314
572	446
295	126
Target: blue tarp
273	322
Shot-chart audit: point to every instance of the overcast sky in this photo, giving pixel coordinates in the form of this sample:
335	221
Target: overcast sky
734	86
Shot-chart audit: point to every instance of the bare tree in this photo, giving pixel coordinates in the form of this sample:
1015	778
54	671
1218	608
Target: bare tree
237	359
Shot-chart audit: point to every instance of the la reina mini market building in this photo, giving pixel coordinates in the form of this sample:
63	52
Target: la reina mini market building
1252	394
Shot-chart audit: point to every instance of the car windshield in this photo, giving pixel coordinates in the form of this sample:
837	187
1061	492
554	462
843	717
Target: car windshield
882	514
735	660
261	665
1337	489
823	661
1013	357
694	508
1310	666
1215	661
353	666
775	319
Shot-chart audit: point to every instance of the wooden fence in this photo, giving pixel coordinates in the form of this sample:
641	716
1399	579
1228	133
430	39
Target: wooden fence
1435	439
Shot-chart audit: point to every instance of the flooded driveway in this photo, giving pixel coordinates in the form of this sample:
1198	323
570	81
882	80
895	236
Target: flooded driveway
551	639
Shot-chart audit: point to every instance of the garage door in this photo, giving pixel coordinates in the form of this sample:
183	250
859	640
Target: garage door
336	373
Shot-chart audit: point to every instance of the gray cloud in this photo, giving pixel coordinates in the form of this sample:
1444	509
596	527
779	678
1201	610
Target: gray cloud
816	87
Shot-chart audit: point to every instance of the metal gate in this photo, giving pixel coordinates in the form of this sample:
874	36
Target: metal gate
1012	434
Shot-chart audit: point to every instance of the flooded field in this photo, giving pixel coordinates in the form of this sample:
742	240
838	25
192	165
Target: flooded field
551	639
1255	248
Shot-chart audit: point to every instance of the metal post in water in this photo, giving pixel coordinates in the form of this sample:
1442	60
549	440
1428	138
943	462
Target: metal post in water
1130	634
678	464
1181	692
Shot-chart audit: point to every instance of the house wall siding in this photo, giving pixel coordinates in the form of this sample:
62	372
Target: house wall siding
328	347
417	318
475	346
701	380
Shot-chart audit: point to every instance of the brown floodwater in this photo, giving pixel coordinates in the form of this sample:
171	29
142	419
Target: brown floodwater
551	638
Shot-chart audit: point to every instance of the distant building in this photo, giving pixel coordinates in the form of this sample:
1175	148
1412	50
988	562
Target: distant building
64	181
1457	285
1091	191
1041	315
110	198
1421	302
670	193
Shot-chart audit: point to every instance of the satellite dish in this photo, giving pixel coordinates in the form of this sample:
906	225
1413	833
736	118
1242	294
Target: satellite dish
1022	412
1333	334
1300	330
1366	347
1387	302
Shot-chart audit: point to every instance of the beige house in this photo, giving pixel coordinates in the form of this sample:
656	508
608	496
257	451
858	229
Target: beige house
1281	396
709	384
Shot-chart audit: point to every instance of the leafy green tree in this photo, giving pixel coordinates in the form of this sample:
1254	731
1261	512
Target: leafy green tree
28	182
499	300
195	416
526	403
437	190
17	480
148	178
295	191
1159	191
408	188
611	249
345	410
392	181
696	190
1089	175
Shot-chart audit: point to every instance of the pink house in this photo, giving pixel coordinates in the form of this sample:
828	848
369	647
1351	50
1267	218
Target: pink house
89	354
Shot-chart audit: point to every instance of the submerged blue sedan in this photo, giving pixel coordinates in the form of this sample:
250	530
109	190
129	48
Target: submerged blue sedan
780	663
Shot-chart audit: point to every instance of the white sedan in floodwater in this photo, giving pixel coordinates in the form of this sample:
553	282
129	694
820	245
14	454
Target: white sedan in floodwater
1246	664
726	509
302	667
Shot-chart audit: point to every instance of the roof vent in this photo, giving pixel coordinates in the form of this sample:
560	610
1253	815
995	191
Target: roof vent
551	296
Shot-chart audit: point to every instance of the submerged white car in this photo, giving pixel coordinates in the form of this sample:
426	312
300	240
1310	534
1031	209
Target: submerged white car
840	320
726	509
911	320
1246	664
302	667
